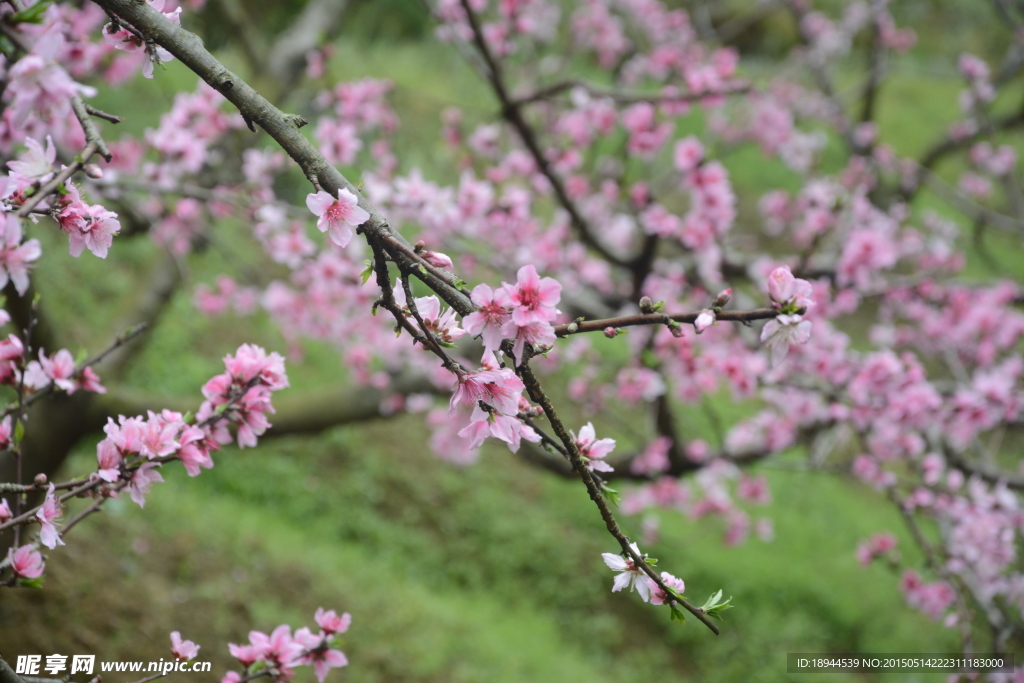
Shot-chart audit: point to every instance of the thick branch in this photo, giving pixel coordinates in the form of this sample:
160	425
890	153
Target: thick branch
189	49
7	674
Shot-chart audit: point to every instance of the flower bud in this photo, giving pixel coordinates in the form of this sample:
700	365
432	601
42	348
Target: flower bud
93	171
610	332
437	259
40	480
646	305
722	299
705	320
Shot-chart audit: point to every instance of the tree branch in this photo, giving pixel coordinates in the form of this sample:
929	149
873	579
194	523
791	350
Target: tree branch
189	49
660	319
512	113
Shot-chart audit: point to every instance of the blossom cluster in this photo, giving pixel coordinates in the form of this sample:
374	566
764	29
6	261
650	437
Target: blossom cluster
522	312
58	371
135	448
633	577
282	651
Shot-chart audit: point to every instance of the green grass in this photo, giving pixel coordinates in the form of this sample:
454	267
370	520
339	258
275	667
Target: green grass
488	573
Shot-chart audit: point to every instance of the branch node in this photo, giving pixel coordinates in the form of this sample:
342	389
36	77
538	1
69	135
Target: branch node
296	120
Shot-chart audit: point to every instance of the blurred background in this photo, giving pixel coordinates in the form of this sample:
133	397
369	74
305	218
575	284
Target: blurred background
487	573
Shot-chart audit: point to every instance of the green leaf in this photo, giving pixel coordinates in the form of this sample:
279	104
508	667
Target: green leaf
31	583
611	494
19	432
715	605
31	15
368	273
677	614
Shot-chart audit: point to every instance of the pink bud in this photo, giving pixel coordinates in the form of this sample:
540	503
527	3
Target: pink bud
705	320
93	171
722	299
781	284
610	332
437	259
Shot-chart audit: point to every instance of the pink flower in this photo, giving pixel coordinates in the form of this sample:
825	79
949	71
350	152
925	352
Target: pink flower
594	449
489	318
754	490
89	381
536	333
444	325
782	331
194	452
786	290
231	677
631	575
97	233
246	655
658	596
338	141
59	369
533	298
11	348
15	257
654	459
330	622
122	39
26	562
279	649
35	165
37	85
141	482
876	546
49	512
339	215
5	511
6	432
508	428
183	649
689	152
500	389
109	457
251	360
319	654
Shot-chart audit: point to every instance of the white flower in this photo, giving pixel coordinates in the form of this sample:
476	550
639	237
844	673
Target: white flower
784	330
631	575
